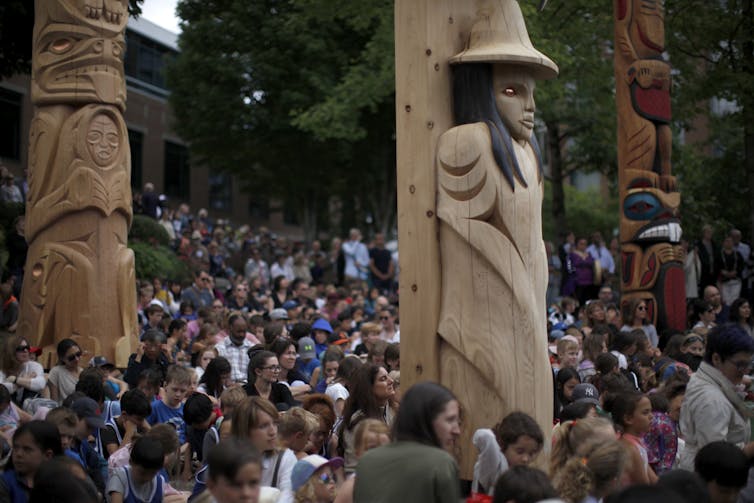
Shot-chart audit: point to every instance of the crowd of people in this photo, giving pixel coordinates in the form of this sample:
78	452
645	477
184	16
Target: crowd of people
275	376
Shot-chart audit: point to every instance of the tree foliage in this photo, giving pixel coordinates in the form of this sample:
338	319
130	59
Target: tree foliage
284	94
711	47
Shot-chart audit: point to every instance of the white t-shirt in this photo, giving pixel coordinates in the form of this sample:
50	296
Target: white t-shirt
336	391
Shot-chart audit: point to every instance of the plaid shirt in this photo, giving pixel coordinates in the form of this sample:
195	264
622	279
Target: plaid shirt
238	356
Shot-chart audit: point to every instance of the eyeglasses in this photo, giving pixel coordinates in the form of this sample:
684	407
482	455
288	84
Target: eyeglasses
326	478
74	356
384	317
19	349
274	368
642	308
203	279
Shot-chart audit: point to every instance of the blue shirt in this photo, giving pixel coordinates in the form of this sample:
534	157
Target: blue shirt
161	413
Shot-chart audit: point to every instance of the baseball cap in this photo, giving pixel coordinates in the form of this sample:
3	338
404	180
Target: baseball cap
86	408
305	468
279	314
338	339
306	348
586	392
322	324
290	304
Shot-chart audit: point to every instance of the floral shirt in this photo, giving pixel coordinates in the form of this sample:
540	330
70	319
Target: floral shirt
661	442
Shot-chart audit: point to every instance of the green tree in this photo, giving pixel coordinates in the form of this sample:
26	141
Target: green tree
265	90
711	47
578	107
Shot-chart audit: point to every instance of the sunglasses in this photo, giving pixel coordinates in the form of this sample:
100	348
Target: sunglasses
74	356
642	308
22	348
326	478
384	317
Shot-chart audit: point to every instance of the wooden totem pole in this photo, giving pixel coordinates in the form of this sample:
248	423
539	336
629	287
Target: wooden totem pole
474	268
80	279
650	230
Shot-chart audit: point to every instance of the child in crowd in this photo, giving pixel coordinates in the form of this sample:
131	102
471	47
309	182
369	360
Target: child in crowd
66	421
199	414
139	482
33	443
594	475
150	381
523	484
516	441
10	415
169	408
568	352
89	421
573	435
324	375
294	428
632	414
235	472
135	408
307	357
312	479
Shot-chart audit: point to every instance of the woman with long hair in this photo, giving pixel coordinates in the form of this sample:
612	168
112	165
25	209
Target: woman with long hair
419	465
285	349
255	419
215	378
64	376
740	313
23	377
635	316
263	380
371	395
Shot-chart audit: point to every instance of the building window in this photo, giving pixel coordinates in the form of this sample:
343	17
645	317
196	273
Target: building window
177	174
220	192
145	59
136	141
10	125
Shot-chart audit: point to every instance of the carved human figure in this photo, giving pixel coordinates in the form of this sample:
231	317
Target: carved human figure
492	325
81	281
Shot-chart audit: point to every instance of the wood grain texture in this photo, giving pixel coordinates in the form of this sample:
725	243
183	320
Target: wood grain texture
80	279
473	284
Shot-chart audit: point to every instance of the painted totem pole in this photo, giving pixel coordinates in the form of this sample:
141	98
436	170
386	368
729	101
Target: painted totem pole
80	279
650	230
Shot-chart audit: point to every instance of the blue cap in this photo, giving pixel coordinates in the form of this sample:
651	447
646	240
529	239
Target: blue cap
290	304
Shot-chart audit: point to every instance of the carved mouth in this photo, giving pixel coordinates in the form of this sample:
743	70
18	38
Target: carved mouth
87	71
670	231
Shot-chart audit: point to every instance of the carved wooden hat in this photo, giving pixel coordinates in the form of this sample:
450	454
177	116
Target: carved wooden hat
499	36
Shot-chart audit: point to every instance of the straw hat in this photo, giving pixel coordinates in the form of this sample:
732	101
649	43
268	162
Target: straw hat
499	36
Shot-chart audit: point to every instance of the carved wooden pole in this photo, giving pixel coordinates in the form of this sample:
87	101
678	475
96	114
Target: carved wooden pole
79	280
473	265
650	230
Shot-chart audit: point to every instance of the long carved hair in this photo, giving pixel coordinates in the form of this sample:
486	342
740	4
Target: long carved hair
474	101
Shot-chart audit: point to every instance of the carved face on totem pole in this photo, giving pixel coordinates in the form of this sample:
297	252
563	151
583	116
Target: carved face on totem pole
78	53
648	27
514	97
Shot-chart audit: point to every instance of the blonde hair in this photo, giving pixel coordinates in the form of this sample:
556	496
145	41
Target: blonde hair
178	375
572	435
231	397
592	473
566	345
297	419
306	493
370	327
364	429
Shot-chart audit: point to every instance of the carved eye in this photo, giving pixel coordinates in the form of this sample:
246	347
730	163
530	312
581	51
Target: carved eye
61	45
509	92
